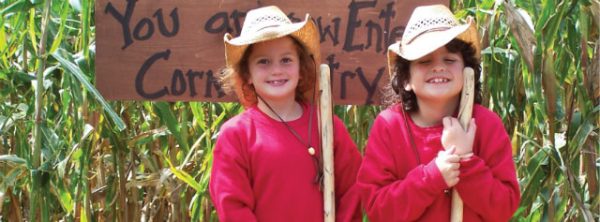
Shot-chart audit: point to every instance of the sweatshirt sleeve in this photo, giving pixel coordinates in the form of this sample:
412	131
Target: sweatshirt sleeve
488	182
229	185
386	194
346	164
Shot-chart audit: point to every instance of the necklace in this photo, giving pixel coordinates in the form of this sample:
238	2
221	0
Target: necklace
310	149
410	136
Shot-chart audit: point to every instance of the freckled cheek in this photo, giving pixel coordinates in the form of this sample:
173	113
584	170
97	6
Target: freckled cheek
417	72
292	70
257	74
458	70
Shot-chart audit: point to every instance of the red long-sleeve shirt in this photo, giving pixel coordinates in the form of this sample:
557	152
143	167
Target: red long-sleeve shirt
394	187
262	172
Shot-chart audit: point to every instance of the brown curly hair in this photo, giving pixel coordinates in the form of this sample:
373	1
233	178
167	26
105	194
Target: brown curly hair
395	93
236	78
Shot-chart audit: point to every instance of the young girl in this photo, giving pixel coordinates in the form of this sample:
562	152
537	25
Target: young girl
417	150
266	163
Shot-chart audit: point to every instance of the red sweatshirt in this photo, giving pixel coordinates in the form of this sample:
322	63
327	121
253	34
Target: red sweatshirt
262	172
394	187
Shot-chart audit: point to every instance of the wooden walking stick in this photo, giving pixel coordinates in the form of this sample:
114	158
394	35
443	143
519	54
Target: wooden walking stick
465	113
326	130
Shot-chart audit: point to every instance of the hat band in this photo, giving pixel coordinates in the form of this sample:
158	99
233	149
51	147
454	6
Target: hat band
428	31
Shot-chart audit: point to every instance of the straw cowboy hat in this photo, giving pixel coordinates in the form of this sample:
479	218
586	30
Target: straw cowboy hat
429	28
267	23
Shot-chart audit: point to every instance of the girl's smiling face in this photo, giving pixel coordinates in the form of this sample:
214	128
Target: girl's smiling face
437	77
274	68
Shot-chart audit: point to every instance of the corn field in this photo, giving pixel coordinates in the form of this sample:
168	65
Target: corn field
66	154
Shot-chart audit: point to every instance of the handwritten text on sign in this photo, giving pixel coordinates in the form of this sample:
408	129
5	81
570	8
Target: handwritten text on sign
173	50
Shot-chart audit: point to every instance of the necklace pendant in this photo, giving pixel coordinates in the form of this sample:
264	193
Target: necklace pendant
311	151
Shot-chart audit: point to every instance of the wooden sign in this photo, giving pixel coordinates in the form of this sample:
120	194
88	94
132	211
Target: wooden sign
173	50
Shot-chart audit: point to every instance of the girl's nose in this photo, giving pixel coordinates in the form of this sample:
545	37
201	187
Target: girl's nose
277	69
438	67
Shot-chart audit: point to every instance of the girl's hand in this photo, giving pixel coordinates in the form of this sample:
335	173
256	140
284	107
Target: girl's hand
454	135
448	163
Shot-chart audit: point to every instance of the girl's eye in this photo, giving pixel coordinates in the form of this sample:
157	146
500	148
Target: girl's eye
450	60
424	62
263	61
286	60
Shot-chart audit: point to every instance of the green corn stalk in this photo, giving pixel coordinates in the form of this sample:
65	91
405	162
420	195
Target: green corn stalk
542	48
37	190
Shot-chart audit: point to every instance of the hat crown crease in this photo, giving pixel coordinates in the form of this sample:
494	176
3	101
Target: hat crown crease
427	25
266	21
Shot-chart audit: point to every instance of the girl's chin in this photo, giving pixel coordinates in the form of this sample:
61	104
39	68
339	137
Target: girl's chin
440	96
277	96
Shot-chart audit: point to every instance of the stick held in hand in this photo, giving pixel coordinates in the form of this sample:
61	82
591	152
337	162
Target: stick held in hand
326	130
465	113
